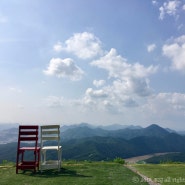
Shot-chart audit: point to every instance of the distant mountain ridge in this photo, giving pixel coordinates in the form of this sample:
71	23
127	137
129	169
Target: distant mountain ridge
86	142
84	131
5	126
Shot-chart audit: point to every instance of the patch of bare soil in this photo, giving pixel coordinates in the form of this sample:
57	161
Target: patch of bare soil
144	178
133	160
143	157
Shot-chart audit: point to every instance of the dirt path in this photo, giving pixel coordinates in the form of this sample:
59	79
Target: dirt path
143	177
143	157
133	160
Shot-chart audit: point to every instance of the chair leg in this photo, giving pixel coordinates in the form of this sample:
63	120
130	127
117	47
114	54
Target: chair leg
38	158
17	162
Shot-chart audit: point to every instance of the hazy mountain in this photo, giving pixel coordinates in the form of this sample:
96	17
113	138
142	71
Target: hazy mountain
5	126
73	126
108	148
85	142
119	126
84	131
155	130
8	135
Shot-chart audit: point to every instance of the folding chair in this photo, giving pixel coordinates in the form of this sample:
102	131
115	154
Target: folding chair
50	141
28	143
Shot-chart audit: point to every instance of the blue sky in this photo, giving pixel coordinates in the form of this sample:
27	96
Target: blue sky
101	62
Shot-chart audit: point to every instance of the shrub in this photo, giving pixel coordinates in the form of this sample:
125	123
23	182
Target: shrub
119	160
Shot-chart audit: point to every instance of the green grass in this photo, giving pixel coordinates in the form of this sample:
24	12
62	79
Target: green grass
72	173
165	174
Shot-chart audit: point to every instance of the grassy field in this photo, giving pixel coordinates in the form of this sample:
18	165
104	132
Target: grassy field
72	173
165	174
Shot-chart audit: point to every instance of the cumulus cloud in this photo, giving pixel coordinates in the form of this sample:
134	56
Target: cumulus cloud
98	83
169	8
112	98
84	45
64	68
129	78
129	84
151	47
118	67
154	2
168	103
58	47
175	51
96	93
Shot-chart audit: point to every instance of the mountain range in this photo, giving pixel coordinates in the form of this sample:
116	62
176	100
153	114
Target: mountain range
128	132
86	142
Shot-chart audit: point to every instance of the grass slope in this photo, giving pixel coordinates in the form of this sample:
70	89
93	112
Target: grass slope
74	173
165	174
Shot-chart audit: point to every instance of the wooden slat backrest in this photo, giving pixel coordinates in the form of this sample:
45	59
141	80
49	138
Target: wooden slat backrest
50	138
28	138
28	132
50	132
50	127
29	127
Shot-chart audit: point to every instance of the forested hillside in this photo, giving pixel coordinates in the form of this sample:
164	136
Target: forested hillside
85	143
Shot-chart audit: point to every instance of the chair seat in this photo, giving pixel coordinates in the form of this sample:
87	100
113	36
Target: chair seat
51	147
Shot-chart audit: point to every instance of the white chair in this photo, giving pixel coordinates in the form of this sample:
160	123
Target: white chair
50	141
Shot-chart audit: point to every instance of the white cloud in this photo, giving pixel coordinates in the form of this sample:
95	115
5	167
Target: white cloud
58	47
64	68
183	7
107	105
129	88
180	26
154	2
96	93
84	45
169	8
98	83
151	47
130	82
175	51
125	93
118	67
168	104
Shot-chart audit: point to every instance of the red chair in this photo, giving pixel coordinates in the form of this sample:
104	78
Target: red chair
28	141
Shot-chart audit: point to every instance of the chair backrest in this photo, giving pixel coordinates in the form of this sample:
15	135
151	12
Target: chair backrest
50	133
28	133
